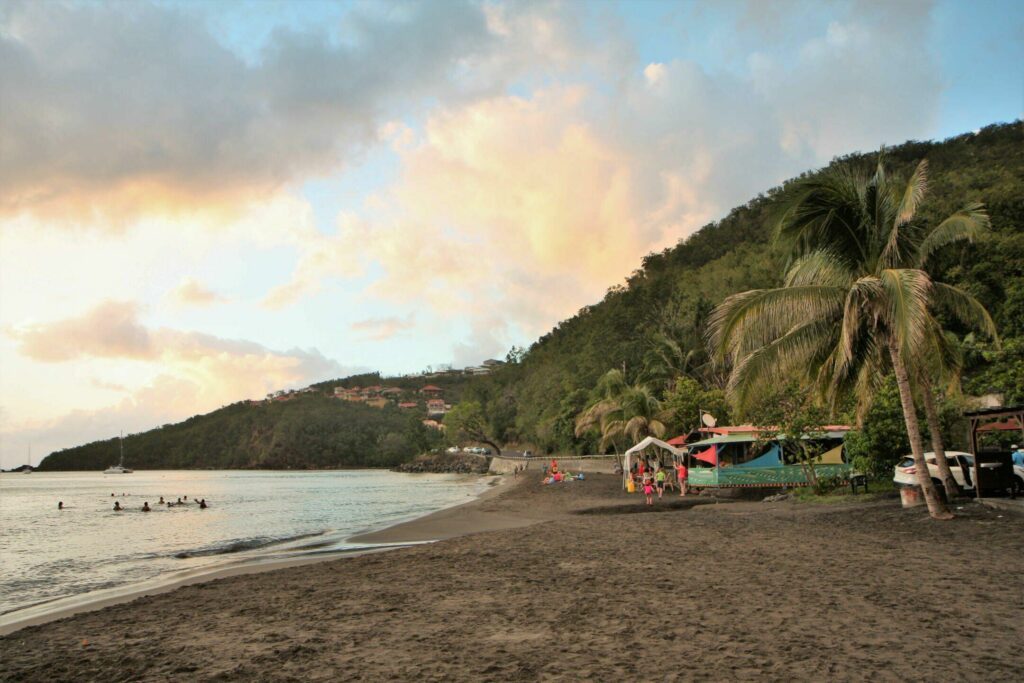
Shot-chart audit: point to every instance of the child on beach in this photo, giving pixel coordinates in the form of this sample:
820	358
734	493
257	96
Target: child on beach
649	491
659	478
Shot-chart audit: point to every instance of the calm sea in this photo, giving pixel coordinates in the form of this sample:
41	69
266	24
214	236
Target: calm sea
46	553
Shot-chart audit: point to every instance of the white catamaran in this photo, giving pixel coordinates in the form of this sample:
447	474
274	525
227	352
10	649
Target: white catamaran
119	468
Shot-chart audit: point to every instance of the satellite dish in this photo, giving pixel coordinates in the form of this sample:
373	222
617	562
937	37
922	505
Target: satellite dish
708	419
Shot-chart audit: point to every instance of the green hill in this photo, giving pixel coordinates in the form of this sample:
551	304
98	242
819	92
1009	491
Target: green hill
535	400
309	431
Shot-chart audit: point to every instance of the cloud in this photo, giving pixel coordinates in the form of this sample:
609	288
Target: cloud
110	330
191	292
532	205
380	329
117	110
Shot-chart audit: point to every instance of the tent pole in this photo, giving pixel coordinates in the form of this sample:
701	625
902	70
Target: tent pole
974	452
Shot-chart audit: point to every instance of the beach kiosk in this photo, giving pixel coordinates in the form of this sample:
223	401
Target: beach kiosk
748	457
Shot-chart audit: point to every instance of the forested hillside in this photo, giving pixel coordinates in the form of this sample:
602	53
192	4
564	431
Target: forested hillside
651	328
311	431
658	316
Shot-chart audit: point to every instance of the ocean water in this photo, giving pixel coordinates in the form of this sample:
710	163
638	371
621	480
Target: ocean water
47	554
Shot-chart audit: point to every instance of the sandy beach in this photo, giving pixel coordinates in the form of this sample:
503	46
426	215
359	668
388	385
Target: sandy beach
580	582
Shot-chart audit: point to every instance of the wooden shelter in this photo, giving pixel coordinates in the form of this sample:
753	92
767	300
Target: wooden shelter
991	419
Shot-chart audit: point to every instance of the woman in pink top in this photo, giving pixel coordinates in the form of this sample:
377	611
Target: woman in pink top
682	474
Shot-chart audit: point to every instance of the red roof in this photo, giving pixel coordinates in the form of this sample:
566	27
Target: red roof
1005	426
431	387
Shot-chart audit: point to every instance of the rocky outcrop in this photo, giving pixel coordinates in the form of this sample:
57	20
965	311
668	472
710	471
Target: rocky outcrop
446	463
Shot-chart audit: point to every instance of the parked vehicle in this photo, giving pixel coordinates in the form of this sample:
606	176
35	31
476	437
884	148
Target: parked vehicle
961	465
454	449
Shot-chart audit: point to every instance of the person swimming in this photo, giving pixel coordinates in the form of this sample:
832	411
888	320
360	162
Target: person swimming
179	501
117	506
60	505
202	504
161	500
145	506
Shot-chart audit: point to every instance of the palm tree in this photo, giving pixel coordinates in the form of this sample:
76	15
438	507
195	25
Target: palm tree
856	297
621	410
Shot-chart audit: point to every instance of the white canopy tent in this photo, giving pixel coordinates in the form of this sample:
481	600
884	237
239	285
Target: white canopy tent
650	441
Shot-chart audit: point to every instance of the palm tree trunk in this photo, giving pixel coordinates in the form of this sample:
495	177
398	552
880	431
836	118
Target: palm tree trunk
932	415
936	508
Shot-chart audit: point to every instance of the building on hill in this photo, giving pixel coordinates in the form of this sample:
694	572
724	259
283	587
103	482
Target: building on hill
431	390
433	424
408	404
477	370
437	406
390	391
493	363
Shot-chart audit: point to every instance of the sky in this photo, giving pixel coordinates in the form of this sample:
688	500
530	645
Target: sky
201	202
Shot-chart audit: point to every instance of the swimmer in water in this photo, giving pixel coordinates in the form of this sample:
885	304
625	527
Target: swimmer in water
161	500
202	504
145	506
117	506
60	505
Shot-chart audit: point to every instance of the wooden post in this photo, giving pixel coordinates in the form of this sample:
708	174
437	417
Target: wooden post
974	452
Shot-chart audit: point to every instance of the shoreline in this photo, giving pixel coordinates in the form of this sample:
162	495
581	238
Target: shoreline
385	539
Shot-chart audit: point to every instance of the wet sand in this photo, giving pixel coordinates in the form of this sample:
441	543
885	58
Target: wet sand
597	588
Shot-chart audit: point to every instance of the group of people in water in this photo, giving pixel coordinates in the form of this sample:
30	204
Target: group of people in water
201	502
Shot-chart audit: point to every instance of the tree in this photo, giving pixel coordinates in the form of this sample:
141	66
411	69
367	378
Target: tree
849	302
467	420
621	411
688	399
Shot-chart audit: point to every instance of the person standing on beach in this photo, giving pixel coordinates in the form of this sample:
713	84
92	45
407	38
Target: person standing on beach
682	474
659	477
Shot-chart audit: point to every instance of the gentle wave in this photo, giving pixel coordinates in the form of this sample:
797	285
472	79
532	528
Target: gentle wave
241	545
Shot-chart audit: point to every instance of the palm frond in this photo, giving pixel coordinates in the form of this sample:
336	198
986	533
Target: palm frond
906	311
913	195
964	308
966	225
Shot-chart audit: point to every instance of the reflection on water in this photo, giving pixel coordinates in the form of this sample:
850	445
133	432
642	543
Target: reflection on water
46	553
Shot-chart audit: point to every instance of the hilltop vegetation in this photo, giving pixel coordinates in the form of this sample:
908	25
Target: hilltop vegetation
310	431
651	328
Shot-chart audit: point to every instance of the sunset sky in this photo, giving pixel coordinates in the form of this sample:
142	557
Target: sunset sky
201	202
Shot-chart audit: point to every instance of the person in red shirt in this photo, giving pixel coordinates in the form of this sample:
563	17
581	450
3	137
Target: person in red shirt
682	474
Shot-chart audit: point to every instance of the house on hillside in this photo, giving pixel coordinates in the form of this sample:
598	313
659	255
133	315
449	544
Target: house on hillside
408	404
431	390
476	370
433	424
390	391
437	406
372	392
